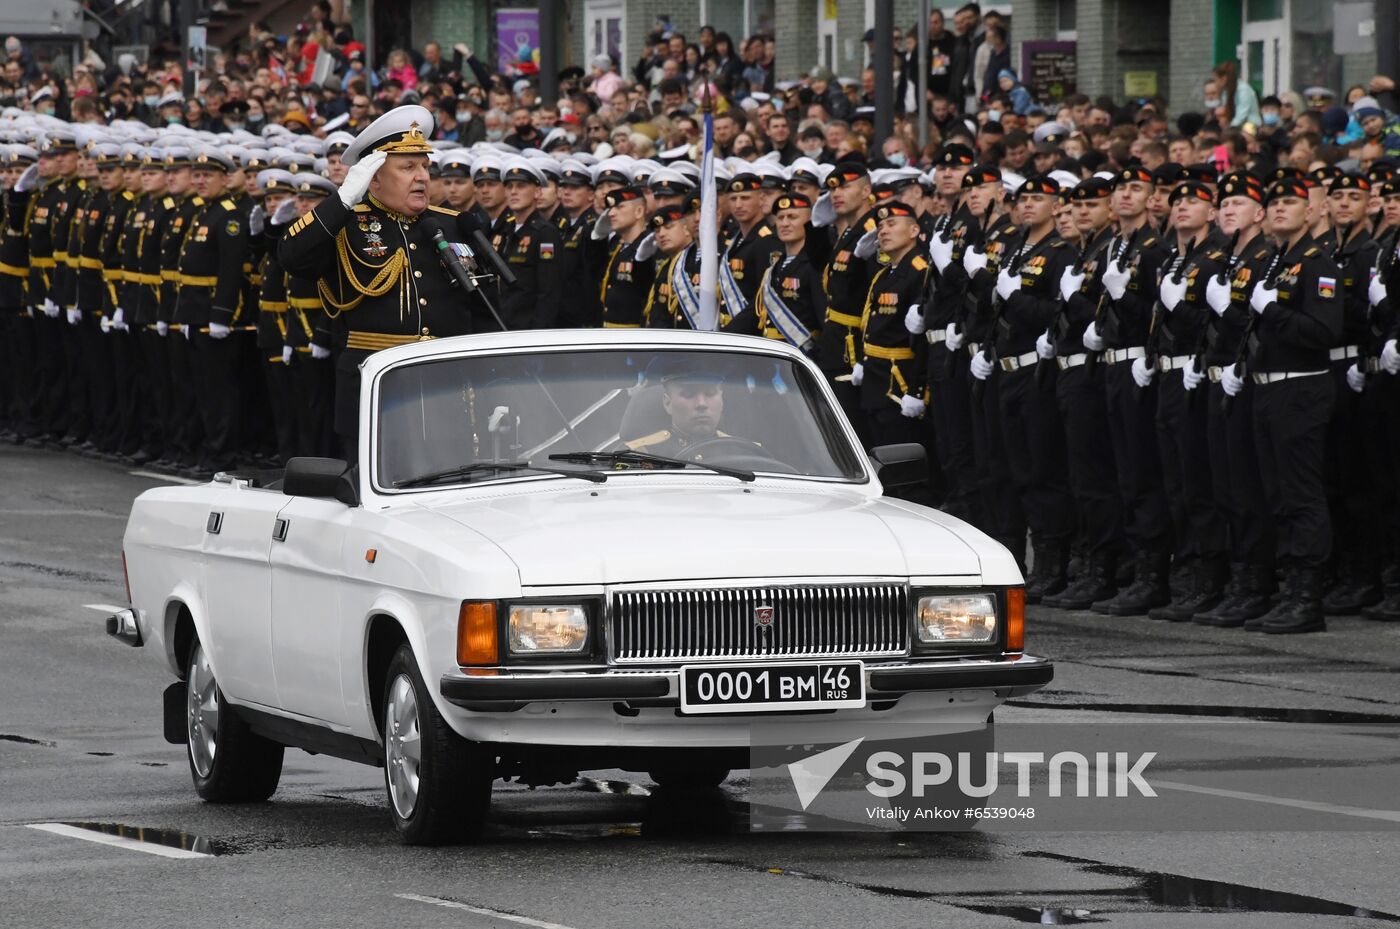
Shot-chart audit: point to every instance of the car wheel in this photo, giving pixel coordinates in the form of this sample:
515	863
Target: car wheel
228	761
439	784
692	777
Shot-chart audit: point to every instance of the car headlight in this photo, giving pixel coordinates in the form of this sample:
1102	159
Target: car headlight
956	618
538	629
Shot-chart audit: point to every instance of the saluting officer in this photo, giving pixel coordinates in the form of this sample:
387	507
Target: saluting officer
672	285
387	286
47	226
791	302
627	278
310	334
20	169
748	255
275	351
532	252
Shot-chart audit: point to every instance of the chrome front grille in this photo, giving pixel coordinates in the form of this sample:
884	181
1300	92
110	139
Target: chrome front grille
715	624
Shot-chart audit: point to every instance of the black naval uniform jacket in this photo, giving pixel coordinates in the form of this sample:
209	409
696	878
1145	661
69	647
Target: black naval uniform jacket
893	362
113	251
45	207
1077	312
65	279
1028	312
1356	259
1001	243
211	278
581	267
14	252
1297	331
799	283
1180	331
179	222
1223	333
626	285
749	257
1126	321
532	251
846	281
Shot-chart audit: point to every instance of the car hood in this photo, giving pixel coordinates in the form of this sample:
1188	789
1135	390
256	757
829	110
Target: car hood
613	533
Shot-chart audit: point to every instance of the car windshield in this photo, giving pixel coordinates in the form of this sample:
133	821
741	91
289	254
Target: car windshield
612	410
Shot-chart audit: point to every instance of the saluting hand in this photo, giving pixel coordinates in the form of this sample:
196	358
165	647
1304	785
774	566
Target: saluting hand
356	183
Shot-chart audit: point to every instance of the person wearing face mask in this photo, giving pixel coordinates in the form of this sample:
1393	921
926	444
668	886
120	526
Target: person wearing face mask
812	143
233	116
470	128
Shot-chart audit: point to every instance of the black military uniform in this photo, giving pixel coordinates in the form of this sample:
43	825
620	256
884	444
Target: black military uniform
283	389
1380	415
16	309
46	226
532	251
846	281
184	424
747	257
892	363
122	435
627	280
581	259
67	233
796	282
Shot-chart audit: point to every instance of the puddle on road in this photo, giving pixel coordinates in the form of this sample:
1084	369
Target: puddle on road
171	838
26	740
1261	713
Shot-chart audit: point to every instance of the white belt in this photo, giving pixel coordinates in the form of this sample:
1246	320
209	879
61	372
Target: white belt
1017	362
973	348
1072	361
1343	352
1272	377
1215	374
935	336
1115	355
1175	362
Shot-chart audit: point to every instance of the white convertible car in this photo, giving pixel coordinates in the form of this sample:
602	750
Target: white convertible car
565	551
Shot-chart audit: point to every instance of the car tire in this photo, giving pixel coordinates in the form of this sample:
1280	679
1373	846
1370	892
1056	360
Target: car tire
688	777
442	795
229	762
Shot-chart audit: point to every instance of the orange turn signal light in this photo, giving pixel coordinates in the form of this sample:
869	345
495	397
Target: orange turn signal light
1015	619
477	642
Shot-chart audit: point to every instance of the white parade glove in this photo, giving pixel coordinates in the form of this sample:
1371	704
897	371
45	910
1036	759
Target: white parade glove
119	319
911	406
218	331
867	245
1007	283
287	352
319	353
974	261
981	367
1390	358
1115	280
1070	283
1262	298
51	309
1142	374
257	220
1191	378
1091	338
1376	292
187	331
953	337
1172	292
914	320
356	183
286	212
1218	294
162	329
940	249
105	324
1230	381
75	316
28	180
1355	379
857	374
1044	347
602	228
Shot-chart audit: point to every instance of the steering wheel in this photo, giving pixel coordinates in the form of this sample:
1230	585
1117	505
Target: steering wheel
742	454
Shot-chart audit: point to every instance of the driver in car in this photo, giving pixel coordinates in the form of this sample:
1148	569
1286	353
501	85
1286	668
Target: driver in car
694	399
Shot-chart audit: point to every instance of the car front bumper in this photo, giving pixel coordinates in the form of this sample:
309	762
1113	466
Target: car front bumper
884	681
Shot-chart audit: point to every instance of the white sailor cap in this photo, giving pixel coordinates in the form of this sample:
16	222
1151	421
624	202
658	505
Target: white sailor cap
574	173
772	176
404	130
314	185
488	166
519	168
558	136
275	180
210	158
668	182
338	142
456	163
171	97
549	167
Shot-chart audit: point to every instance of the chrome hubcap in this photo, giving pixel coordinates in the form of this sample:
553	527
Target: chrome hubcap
402	745
202	717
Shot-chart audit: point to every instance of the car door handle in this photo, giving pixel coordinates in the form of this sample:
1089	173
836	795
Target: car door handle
214	523
279	530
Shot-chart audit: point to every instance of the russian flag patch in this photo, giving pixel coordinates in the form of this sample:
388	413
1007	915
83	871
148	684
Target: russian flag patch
1327	287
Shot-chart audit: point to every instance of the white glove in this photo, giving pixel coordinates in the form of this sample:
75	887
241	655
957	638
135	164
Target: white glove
1091	338
1070	283
1390	358
940	249
1355	379
105	324
981	367
867	245
911	406
1218	294
257	220
1115	280
162	329
286	212
356	183
857	374
187	331
287	352
1142	374
51	309
953	337
1376	292
28	179
218	331
1231	382
319	353
1044	347
1262	297
75	316
974	261
602	228
119	319
1172	292
1191	378
914	320
1007	283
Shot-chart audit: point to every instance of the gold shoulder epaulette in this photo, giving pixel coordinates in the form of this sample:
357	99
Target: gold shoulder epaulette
128	195
656	438
197	200
362	208
764	232
168	203
445	210
919	263
1312	250
228	204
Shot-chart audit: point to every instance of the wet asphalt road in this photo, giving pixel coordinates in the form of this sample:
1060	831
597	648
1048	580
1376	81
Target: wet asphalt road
80	743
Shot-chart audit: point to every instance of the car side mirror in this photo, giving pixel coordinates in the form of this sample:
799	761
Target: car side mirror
321	477
902	465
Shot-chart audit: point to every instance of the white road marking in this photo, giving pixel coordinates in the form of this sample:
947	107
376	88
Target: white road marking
102	838
103	607
165	477
482	911
1390	816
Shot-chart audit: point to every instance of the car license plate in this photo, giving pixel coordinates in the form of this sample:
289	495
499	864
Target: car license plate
825	685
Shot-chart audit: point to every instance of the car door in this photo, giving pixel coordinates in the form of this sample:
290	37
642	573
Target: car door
238	591
307	580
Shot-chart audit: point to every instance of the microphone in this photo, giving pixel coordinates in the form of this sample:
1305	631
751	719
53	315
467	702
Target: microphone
450	262
483	247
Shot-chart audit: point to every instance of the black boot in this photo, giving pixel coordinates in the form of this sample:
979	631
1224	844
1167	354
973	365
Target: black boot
1051	559
1387	611
1207	591
1303	612
1358	586
1149	588
1247	598
1280	606
1096	582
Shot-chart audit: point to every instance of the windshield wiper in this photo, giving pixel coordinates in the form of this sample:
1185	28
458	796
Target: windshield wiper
433	477
648	458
